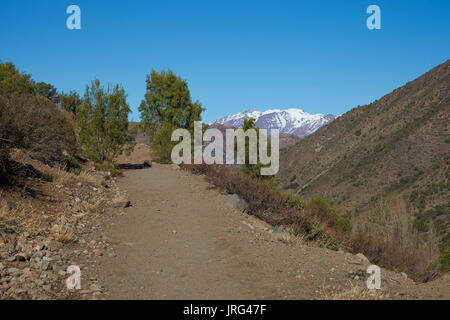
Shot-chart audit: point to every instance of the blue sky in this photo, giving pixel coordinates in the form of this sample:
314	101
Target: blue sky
236	55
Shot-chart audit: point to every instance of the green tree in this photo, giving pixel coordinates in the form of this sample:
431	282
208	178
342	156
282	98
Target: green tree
102	120
253	170
14	81
167	106
70	101
46	90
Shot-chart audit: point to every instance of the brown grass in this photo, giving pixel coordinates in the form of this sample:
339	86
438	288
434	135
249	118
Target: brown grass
18	219
354	292
62	176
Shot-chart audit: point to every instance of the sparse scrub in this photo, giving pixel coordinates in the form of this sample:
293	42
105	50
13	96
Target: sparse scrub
387	237
267	202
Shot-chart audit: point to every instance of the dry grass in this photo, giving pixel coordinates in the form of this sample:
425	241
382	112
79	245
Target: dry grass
65	235
18	219
354	292
61	176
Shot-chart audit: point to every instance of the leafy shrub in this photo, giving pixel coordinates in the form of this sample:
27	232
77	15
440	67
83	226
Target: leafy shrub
292	201
444	260
102	120
343	224
326	212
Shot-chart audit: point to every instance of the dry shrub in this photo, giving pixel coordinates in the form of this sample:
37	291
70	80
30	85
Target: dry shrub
36	124
267	202
388	239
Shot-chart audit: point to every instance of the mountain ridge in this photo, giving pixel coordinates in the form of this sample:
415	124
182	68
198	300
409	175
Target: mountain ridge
384	161
290	121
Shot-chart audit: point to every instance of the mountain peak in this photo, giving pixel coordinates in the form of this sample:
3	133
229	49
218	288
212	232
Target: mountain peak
292	120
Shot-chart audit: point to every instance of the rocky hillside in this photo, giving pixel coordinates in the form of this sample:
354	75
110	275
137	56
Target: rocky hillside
391	156
290	121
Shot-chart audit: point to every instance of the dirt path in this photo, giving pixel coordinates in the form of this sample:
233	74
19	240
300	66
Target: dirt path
180	240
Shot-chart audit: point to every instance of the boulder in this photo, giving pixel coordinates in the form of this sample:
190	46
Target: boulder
236	202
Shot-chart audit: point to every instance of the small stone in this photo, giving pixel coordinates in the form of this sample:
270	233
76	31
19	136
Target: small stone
86	291
121	202
12	270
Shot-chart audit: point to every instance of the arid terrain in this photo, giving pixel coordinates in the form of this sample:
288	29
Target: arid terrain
181	240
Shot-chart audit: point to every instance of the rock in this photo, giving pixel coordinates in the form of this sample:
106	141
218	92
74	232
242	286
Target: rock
147	164
22	256
12	270
236	202
248	225
279	228
98	252
282	236
104	184
363	258
95	287
121	202
43	265
85	291
357	259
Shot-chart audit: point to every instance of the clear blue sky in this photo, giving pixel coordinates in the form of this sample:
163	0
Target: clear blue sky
236	55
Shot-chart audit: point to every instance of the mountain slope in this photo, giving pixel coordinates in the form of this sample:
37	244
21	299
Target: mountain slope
290	121
391	154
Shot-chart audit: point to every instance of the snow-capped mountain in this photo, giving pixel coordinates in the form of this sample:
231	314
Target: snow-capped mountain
293	121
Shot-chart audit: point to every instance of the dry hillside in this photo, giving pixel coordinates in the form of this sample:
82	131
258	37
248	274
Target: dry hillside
383	160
